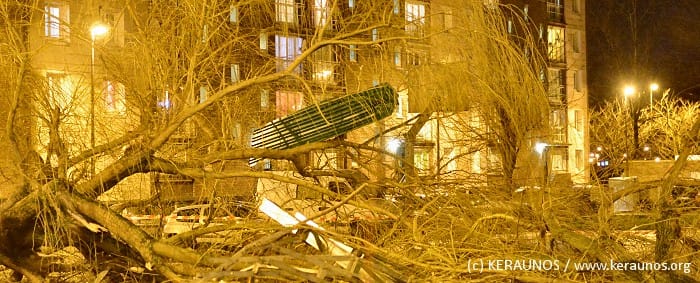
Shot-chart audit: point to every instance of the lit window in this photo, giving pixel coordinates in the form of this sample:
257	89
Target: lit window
353	53
526	11
165	102
287	48
267	164
56	21
351	4
52	21
558	162
556	83
205	33
555	43
476	162
396	7
510	26
233	14
235	73
397	57
264	98
263	41
202	94
421	160
236	131
323	64
286	11
321	12
415	18
287	102
555	119
557	122
375	34
115	97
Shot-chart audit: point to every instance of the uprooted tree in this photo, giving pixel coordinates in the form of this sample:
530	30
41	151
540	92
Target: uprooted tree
177	68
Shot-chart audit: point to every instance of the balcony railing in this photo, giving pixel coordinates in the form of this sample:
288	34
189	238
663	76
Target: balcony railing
556	94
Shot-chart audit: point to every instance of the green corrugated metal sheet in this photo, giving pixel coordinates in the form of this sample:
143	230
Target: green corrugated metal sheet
327	120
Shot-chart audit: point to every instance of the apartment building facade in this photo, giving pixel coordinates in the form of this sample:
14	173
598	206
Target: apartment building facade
560	26
270	36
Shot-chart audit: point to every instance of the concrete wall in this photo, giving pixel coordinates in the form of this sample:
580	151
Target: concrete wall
650	170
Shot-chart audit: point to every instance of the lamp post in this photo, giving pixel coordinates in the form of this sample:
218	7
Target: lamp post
652	87
95	31
628	91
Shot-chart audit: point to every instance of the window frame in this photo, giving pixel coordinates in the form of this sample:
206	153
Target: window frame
56	25
286	11
322	13
415	17
288	102
233	13
323	63
556	43
235	73
352	53
287	49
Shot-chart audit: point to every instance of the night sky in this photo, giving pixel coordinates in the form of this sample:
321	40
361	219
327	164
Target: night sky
667	47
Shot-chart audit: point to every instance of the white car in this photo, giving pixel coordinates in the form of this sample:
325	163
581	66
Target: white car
187	218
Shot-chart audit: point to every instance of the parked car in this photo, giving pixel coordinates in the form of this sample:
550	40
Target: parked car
187	218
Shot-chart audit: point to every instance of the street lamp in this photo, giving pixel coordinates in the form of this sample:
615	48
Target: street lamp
628	91
652	87
95	31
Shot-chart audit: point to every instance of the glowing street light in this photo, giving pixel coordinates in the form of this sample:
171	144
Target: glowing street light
98	30
654	87
629	91
540	147
95	31
394	145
